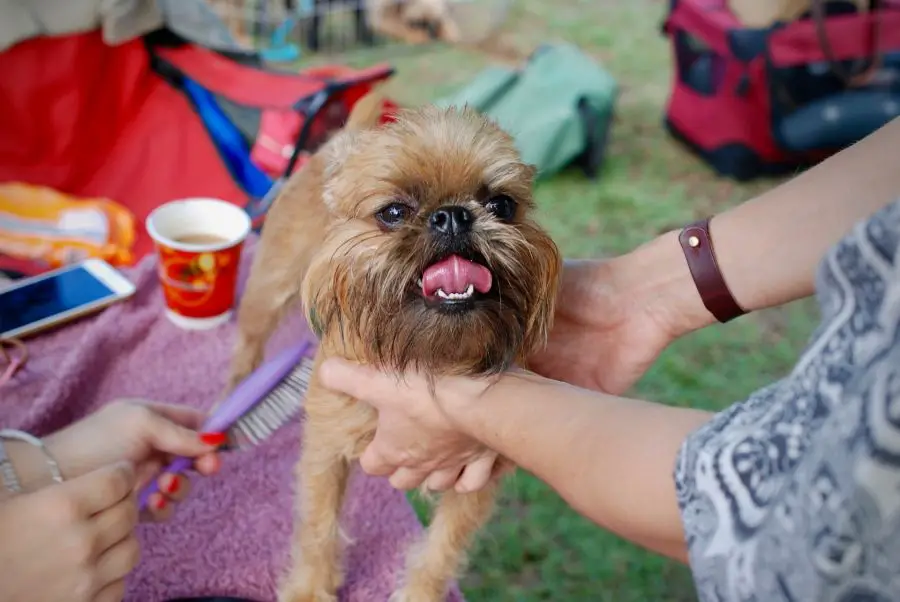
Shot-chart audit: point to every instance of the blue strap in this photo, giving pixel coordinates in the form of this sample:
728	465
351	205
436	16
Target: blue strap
229	141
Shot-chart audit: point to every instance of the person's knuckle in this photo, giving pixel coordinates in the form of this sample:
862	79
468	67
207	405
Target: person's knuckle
119	481
415	479
404	457
369	463
139	415
130	553
128	416
62	509
114	592
399	481
438	482
81	548
83	586
122	409
132	514
127	515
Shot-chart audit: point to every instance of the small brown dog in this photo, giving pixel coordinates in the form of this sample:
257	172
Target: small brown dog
413	21
409	245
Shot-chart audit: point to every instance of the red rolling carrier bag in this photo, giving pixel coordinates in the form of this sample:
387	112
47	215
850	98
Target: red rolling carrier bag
767	101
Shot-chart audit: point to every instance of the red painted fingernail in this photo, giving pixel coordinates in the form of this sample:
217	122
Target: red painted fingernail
173	485
214	439
160	503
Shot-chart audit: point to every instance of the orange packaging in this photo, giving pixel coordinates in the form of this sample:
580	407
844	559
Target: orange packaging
44	225
199	244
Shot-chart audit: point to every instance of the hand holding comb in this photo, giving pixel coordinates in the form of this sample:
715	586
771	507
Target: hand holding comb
256	408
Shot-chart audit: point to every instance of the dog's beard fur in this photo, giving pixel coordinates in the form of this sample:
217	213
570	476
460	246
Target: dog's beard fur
358	280
364	283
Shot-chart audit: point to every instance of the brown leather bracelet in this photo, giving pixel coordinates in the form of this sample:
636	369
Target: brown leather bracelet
701	259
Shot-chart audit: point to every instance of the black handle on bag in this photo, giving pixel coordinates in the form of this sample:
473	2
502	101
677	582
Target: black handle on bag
819	16
596	136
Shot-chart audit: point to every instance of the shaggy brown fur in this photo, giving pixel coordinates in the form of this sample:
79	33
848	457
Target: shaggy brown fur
357	280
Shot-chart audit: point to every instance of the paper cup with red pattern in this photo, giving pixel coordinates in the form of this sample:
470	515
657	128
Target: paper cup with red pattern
198	243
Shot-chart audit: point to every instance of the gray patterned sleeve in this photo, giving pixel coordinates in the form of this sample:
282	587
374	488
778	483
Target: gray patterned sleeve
793	495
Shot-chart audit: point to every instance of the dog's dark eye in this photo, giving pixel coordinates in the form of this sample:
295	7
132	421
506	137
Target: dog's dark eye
393	215
502	206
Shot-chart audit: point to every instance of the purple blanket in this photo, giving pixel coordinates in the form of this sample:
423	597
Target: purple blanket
231	536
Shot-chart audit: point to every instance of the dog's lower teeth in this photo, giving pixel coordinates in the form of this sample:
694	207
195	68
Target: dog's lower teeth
456	296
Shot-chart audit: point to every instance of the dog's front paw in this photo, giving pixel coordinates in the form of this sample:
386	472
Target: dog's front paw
408	594
301	587
301	593
400	596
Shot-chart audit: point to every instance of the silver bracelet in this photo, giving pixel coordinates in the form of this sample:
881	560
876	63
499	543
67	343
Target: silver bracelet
8	472
6	466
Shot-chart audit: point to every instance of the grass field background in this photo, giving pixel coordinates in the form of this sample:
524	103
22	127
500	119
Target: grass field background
536	548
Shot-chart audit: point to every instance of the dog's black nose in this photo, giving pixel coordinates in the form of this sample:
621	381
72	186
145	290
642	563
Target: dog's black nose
450	219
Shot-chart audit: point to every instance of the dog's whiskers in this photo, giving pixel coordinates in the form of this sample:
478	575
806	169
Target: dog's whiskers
354	241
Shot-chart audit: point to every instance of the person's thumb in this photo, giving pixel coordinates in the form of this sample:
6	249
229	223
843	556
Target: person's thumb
358	381
172	438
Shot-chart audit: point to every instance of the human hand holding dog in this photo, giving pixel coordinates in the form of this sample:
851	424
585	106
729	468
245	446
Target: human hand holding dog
610	457
615	316
607	332
443	459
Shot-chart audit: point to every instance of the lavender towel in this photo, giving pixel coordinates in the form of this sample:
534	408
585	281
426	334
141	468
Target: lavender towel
231	537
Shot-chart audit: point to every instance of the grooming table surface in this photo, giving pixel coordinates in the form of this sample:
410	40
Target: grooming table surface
231	536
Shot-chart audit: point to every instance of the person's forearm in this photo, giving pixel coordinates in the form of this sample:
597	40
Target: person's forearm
768	247
617	461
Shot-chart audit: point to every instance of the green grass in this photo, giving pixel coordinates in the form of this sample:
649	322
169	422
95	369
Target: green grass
536	548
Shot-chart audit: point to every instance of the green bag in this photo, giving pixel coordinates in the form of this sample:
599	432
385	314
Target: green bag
558	106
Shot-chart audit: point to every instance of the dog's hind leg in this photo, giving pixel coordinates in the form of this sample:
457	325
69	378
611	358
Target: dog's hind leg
440	555
272	287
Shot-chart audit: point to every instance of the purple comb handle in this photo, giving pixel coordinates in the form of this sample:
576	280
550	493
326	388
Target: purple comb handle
245	395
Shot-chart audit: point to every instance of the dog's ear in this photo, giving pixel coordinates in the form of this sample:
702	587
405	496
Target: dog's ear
333	156
366	114
367	111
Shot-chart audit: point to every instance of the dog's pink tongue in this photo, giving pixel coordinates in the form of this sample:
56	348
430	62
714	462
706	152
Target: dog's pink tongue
454	275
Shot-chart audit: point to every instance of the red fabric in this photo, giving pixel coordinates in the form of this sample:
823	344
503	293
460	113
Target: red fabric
89	119
93	120
279	129
708	20
851	37
253	87
727	117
